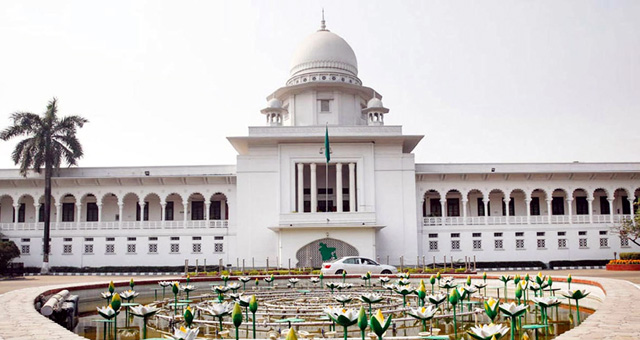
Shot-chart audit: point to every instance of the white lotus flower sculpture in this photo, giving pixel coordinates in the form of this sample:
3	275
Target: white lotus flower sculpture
371	298
145	312
185	333
218	310
343	299
423	314
129	294
488	332
513	311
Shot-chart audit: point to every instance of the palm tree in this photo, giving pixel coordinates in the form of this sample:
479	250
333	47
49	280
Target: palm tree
50	141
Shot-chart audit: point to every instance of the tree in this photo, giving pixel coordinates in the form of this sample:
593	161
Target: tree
629	229
50	141
8	251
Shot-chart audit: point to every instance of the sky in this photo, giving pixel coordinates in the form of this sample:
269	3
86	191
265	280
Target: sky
165	82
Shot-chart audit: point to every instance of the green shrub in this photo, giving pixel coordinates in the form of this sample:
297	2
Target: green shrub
224	272
460	270
254	272
630	256
8	252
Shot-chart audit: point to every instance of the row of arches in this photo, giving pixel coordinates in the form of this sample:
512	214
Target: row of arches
89	207
520	202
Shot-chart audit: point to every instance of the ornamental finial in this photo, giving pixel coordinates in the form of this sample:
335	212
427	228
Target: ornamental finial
323	27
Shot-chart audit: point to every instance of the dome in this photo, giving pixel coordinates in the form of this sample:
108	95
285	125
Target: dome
274	103
374	103
324	51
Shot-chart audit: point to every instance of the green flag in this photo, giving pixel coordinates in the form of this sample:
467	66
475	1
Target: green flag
327	150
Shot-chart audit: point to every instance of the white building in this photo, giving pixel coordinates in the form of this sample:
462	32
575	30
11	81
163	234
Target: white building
282	200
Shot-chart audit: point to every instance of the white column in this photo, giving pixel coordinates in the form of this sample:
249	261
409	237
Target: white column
314	188
223	210
630	199
120	210
185	205
141	203
79	208
163	210
37	208
99	211
16	209
610	209
590	201
528	204
549	209
352	187
443	209
207	206
570	208
300	208
505	199
339	187
464	211
58	212
486	209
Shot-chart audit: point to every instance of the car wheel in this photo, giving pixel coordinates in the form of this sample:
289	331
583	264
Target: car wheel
339	271
386	272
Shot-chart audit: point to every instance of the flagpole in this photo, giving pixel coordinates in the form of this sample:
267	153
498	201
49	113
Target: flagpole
326	175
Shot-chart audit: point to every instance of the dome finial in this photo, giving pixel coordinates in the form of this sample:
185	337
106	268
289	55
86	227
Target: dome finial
323	27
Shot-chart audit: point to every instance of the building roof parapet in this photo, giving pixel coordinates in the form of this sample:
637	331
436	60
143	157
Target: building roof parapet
130	172
319	130
505	168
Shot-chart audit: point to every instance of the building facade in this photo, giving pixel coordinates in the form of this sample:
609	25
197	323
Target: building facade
283	201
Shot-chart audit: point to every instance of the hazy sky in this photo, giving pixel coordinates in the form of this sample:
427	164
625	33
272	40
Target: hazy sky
164	83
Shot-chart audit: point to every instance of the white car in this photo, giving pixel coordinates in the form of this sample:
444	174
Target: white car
356	265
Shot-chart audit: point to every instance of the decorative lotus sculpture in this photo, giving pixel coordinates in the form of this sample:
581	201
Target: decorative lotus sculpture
403	282
404	291
144	312
314	280
379	324
253	307
545	303
269	280
488	332
505	279
236	317
294	281
129	295
371	298
185	333
423	314
218	310
344	285
224	278
220	290
421	292
432	281
384	279
343	317
513	311
244	280
165	284
367	278
234	286
577	294
491	308
437	299
332	286
343	299
454	298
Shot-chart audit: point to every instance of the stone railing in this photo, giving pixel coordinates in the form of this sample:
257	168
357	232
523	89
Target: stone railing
516	220
117	225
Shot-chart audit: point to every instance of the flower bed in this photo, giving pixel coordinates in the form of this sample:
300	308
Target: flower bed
624	265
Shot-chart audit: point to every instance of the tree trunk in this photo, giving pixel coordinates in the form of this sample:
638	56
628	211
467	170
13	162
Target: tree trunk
47	215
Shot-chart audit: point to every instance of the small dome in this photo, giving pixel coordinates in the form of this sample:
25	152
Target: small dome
324	51
274	103
374	103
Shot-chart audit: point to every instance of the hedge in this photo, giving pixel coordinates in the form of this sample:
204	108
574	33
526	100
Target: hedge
630	256
580	263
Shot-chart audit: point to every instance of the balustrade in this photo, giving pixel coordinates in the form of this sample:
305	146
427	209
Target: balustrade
116	225
521	220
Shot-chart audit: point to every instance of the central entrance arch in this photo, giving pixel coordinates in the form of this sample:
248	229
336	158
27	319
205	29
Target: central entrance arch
323	250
